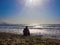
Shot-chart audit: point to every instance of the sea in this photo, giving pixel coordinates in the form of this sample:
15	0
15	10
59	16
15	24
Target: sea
45	30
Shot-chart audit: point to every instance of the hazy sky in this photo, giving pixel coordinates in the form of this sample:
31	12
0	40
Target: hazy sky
30	11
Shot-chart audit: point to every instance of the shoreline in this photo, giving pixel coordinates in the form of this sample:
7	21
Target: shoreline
15	39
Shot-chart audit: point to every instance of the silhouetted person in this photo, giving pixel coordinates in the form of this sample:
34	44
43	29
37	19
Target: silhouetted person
26	31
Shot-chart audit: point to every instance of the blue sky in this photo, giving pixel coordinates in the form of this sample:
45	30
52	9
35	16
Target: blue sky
30	12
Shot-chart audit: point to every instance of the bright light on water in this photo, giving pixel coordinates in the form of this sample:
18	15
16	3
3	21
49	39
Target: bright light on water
35	30
38	31
38	26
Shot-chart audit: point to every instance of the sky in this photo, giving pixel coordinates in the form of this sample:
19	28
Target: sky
30	11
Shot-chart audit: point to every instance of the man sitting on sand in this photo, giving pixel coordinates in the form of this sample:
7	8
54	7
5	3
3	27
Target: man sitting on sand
26	31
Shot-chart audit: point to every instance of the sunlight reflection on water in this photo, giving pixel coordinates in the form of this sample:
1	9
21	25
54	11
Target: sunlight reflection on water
44	32
34	31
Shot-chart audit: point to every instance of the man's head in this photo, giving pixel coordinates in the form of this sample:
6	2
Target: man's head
26	26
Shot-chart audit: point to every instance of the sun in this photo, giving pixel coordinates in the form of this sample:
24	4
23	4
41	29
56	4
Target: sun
33	3
30	0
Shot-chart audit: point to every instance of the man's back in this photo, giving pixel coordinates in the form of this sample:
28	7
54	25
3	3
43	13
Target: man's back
26	31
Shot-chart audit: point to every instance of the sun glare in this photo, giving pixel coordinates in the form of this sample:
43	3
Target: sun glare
32	3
